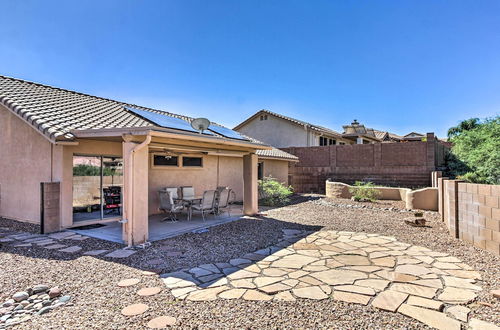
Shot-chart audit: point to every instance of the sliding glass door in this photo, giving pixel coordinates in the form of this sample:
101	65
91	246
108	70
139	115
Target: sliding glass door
97	187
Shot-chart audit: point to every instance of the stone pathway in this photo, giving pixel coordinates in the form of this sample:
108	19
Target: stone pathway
61	241
367	269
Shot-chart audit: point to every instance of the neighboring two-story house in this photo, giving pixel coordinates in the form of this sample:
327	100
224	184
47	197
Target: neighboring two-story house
282	131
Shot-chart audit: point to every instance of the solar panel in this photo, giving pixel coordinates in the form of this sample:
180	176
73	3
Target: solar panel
164	120
229	133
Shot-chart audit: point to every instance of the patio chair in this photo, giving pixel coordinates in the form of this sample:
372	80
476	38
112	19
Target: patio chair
168	206
223	202
187	192
173	191
206	205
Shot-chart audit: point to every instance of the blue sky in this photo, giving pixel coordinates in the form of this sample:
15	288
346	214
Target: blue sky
393	65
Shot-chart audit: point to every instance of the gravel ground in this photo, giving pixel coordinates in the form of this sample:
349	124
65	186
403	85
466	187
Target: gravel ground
98	301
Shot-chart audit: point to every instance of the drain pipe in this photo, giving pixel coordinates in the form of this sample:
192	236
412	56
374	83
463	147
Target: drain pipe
131	188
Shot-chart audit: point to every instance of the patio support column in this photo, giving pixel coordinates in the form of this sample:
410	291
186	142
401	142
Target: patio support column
135	194
250	189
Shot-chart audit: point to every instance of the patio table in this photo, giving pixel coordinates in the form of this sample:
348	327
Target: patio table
189	202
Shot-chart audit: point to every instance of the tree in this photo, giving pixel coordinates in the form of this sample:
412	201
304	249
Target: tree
465	125
475	155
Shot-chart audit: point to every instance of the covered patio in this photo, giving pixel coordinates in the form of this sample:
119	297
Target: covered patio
153	160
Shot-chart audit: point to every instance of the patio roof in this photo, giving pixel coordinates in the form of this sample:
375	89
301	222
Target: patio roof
64	115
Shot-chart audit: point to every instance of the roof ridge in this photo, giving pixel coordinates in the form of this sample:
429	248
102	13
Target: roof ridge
90	95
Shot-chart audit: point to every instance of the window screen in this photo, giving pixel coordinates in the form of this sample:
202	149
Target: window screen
192	161
164	160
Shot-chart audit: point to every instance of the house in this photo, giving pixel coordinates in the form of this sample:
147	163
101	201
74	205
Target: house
69	159
281	131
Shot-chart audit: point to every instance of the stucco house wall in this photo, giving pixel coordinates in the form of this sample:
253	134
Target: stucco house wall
278	169
25	157
277	132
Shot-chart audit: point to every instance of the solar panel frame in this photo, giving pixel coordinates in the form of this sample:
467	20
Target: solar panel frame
164	120
226	132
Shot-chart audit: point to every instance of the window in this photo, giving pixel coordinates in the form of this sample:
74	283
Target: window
165	160
332	142
263	117
260	171
323	141
192	161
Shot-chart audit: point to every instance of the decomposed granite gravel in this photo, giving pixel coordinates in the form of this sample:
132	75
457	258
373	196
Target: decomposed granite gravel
98	301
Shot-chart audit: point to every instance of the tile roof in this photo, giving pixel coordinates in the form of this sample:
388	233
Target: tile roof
56	112
273	153
293	120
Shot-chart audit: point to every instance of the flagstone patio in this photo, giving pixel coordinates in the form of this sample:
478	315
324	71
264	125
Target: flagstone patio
359	268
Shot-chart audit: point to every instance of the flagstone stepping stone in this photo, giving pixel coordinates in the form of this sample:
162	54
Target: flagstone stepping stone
305	246
149	273
120	254
424	302
254	295
200	272
462	283
61	235
433	283
284	296
45	242
81	238
157	261
464	273
208	278
6	240
243	283
128	282
351	297
182	292
23	245
239	261
415	290
384	261
274	272
425	259
310	280
310	292
389	300
445	265
355	289
210	267
448	259
375	284
230	270
161	322
461	313
252	268
215	283
71	249
94	252
297	274
173	254
294	261
146	292
366	269
414	270
274	288
336	276
242	274
134	309
232	294
429	317
206	294
266	280
55	246
477	324
352	260
457	296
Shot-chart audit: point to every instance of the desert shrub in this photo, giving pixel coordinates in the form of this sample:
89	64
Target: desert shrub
274	193
475	154
364	191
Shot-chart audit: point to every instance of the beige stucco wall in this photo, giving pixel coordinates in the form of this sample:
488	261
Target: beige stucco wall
422	199
341	190
25	162
277	132
278	169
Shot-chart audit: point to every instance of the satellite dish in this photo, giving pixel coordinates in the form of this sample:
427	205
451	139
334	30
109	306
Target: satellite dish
200	124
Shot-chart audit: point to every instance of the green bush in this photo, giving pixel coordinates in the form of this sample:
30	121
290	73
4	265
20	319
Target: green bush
364	191
475	155
274	193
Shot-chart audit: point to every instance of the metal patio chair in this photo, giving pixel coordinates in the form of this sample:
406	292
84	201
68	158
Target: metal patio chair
206	205
168	206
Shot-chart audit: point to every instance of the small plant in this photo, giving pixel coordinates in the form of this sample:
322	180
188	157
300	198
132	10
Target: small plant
419	214
274	193
364	191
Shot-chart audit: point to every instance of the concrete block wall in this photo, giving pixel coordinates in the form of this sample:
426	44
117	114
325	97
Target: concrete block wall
471	212
390	164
